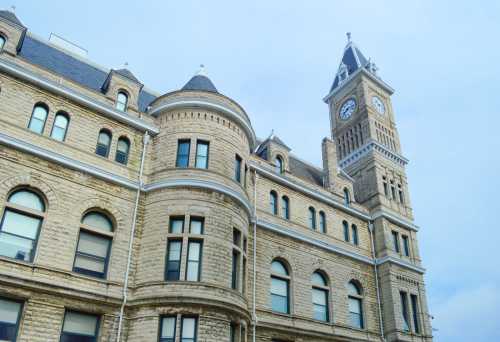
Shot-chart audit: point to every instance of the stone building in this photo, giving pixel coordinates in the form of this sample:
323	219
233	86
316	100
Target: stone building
127	215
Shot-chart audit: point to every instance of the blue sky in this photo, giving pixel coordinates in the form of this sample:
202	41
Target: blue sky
278	59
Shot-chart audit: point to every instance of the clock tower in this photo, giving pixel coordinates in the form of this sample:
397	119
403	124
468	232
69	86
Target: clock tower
368	149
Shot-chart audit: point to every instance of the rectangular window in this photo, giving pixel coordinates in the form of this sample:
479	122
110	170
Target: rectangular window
395	241
183	148
237	168
167	328
193	268
401	197
10	313
201	154
92	254
386	191
236	237
406	245
346	231
233	329
79	327
355	239
176	225
414	308
404	310
279	295
235	270
196	225
189	329
393	192
174	250
18	235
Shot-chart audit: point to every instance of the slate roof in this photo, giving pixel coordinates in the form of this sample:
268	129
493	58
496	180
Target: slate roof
68	66
305	171
353	59
200	82
8	15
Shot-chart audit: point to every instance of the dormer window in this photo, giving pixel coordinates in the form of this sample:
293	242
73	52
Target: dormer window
343	73
121	101
279	165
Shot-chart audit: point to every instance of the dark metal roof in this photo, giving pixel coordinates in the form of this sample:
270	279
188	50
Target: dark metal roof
68	66
200	82
8	15
353	59
305	171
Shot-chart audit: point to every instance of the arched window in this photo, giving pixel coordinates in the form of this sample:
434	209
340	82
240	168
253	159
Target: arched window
322	222
2	41
345	225
121	101
273	202
38	118
94	245
279	164
354	234
122	150
347	197
320	297
312	218
103	143
285	207
355	305
60	126
280	287
20	226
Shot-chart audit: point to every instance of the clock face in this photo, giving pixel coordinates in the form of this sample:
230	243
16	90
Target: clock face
378	104
347	109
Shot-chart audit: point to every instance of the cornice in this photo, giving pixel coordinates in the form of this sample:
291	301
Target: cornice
224	110
73	95
401	263
372	145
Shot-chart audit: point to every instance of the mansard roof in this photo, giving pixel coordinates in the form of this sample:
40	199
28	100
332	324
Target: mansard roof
74	68
8	15
200	82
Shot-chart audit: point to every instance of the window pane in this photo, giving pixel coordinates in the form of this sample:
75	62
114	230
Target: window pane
414	306
27	199
279	303
278	268
16	247
196	226
279	287
89	265
20	224
354	305
93	244
98	220
121	101
319	296
346	231
176	225
354	234
193	269
353	289
183	153
104	138
356	320
320	313
168	327
59	128
38	119
318	279
9	311
174	252
79	323
188	327
202	155
237	168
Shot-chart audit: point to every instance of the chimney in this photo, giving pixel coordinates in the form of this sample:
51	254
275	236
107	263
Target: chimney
329	152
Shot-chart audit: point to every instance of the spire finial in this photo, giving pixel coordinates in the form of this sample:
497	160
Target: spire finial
348	34
13	8
125	64
202	70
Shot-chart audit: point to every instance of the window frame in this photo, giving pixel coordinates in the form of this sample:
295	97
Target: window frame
160	330
68	120
47	112
19	315
311	212
201	142
279	165
238	162
188	261
273	202
347	197
195	339
287	280
325	289
395	241
322	222
406	245
98	144
25	211
358	297
178	156
347	235
121	153
167	258
403	297
200	219
414	312
97	326
173	218
118	103
94	231
285	207
354	234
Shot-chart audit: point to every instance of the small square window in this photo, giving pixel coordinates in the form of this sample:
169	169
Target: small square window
176	225
196	225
